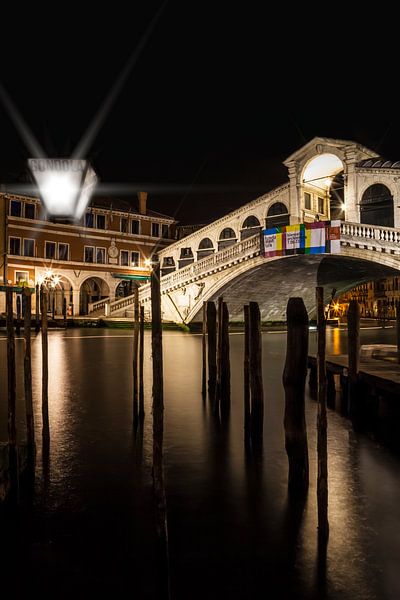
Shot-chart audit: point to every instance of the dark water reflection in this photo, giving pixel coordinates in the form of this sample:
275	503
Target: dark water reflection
233	531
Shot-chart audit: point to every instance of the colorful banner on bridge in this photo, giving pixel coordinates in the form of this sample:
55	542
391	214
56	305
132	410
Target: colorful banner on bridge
321	237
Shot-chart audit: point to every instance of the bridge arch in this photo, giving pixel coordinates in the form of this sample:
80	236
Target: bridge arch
250	226
206	247
227	237
277	215
377	205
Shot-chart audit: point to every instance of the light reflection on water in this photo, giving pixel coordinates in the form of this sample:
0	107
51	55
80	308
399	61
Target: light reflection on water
232	528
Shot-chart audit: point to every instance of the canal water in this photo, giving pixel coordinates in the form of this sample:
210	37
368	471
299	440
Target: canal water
88	529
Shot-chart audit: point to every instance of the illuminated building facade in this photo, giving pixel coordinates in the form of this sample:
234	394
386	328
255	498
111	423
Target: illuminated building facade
92	260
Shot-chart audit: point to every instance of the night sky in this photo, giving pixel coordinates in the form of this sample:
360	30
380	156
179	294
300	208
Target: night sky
220	94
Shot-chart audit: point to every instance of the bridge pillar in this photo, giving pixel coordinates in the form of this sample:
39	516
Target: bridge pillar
350	193
294	192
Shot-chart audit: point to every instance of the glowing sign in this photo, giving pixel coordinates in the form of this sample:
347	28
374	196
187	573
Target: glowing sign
65	185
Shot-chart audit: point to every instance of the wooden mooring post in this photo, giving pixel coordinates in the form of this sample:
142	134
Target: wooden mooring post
45	370
37	308
11	395
204	351
322	424
30	425
212	349
256	381
225	377
246	373
158	428
18	321
64	311
398	330
141	363
135	356
353	343
294	379
219	347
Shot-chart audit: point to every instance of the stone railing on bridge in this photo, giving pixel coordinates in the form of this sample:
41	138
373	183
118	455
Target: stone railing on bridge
201	268
370	235
99	305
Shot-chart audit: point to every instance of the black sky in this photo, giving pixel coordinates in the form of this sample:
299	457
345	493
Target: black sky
221	94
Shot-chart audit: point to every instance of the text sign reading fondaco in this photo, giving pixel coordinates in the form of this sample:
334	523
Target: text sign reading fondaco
65	185
322	237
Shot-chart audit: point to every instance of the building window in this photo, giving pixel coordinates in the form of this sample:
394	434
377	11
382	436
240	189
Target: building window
307	201
155	229
15	246
135	226
124	258
101	221
29	211
63	251
165	231
50	249
169	261
134	259
21	276
124	225
89	219
320	205
186	253
101	255
89	254
29	247
15	208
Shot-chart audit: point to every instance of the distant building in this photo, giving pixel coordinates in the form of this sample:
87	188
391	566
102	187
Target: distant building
91	260
377	299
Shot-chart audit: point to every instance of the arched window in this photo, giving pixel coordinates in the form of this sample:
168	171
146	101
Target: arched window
376	207
277	216
250	227
227	237
206	248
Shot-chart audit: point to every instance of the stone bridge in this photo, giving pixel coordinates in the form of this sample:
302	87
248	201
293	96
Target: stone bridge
328	179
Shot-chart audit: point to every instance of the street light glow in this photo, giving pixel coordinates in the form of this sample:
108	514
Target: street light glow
65	185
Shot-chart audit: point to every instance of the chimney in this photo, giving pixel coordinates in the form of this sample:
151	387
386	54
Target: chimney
142	202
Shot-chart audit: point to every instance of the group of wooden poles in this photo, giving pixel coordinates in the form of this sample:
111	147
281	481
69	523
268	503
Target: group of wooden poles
42	300
215	355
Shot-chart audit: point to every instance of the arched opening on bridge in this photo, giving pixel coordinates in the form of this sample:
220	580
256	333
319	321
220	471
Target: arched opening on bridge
206	247
186	257
250	227
227	237
92	290
376	207
277	216
323	188
168	265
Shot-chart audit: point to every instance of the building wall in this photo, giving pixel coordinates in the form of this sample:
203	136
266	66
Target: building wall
113	251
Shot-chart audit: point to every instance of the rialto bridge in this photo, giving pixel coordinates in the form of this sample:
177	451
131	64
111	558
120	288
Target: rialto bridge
328	180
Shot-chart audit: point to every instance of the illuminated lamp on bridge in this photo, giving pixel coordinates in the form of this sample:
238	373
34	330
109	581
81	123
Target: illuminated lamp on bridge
65	185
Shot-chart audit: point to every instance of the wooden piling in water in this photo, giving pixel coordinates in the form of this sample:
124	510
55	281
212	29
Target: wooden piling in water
225	380
37	309
18	321
219	346
255	364
135	356
398	330
158	426
141	363
45	370
353	346
294	379
30	425
322	423
246	373
212	349
204	352
11	395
